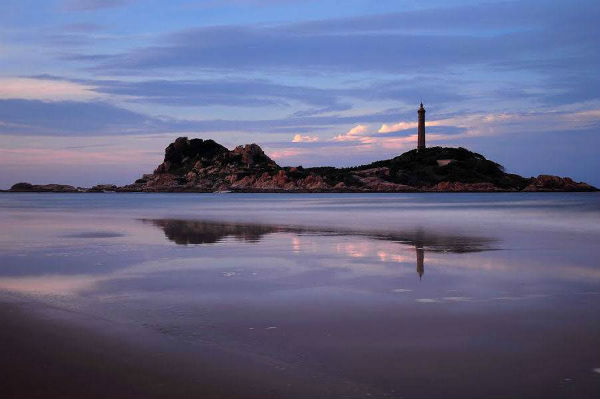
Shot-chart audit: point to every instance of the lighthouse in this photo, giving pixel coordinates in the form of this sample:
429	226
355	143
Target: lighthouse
421	128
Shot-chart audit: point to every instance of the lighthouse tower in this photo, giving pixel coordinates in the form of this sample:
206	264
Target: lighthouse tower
421	128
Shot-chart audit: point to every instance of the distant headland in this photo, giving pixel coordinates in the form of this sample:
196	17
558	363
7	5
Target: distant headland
198	165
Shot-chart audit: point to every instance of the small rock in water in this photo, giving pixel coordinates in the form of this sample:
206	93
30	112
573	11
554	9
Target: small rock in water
401	290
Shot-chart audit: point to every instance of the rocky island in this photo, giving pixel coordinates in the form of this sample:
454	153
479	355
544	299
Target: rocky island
197	165
206	166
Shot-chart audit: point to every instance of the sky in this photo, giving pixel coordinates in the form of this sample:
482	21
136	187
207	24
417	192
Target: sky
92	91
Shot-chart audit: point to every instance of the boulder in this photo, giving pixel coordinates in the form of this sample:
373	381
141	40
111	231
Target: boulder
252	155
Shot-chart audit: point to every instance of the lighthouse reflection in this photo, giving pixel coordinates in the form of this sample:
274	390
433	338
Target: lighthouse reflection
420	262
203	232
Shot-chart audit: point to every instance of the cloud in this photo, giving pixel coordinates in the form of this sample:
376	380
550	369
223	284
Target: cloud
236	48
70	118
435	39
402	135
357	133
583	119
357	130
94	117
252	3
520	53
492	124
44	89
319	111
437	131
298	138
394	127
240	92
285	153
40	157
447	126
83	27
76	118
229	92
91	5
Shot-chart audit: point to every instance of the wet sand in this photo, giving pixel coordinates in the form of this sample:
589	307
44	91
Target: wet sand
50	352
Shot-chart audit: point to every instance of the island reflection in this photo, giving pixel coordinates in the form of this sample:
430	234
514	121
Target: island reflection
198	232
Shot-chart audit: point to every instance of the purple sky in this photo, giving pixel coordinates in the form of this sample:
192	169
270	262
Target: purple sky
92	91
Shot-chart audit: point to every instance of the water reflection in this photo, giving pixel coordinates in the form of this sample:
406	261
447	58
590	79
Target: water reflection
186	232
338	302
420	262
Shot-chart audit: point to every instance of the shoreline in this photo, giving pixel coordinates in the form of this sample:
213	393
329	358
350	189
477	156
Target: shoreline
301	192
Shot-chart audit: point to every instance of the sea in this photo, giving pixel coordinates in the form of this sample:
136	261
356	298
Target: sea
397	295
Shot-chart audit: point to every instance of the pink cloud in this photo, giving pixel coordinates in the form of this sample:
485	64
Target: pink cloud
298	138
36	156
45	89
285	153
395	127
357	133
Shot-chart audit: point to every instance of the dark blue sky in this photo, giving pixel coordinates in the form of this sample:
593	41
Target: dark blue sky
92	91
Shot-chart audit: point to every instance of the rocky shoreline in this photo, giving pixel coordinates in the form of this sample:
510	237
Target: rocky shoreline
204	166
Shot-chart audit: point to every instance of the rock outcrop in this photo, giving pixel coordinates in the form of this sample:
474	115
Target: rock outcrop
103	188
555	183
205	166
43	188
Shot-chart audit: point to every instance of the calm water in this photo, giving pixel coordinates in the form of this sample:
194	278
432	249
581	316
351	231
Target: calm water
414	295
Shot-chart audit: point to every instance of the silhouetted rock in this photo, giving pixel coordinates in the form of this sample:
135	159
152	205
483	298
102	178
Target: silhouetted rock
184	154
43	188
206	166
22	187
